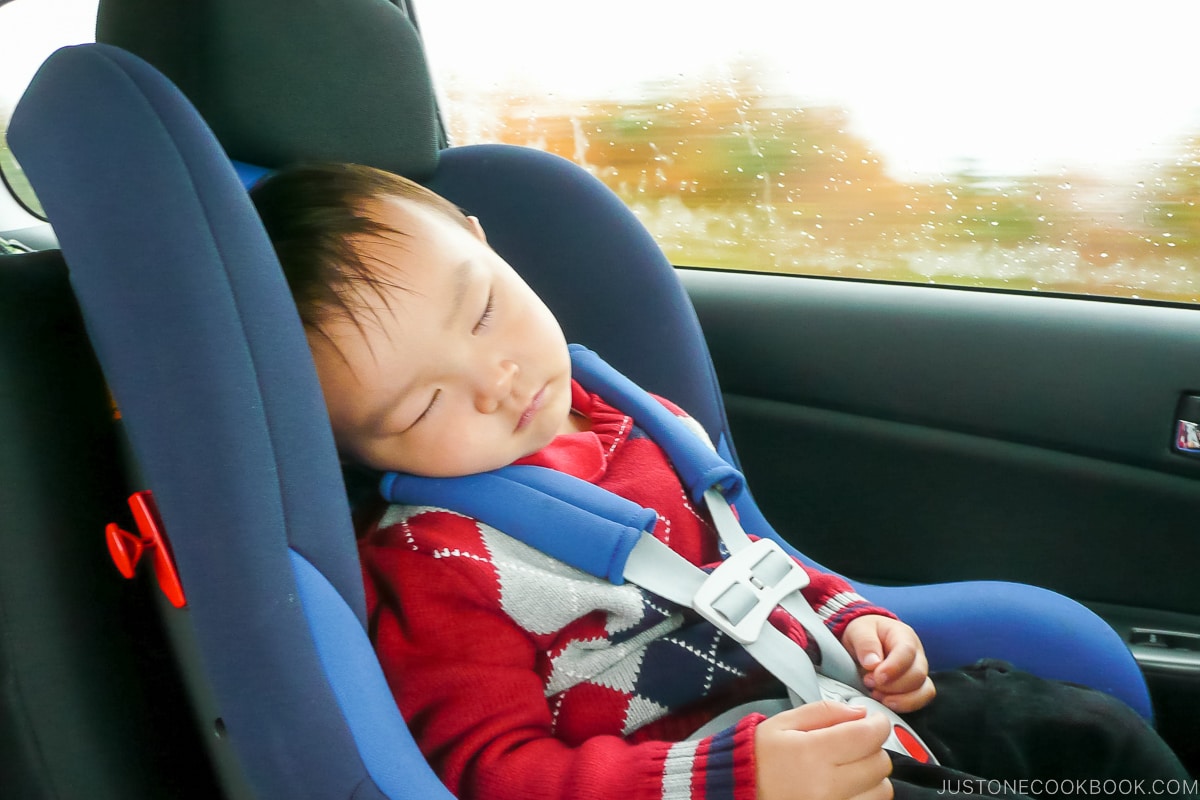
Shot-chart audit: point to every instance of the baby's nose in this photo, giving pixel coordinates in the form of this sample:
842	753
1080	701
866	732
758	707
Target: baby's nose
495	386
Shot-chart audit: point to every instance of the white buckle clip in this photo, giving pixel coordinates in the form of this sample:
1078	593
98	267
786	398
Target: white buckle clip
740	594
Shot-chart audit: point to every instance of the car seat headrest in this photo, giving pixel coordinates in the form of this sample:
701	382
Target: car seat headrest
281	81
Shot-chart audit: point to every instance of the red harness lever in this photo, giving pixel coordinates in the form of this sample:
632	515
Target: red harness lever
128	548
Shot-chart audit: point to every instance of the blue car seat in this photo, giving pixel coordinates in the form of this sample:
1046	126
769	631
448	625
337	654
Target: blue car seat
193	326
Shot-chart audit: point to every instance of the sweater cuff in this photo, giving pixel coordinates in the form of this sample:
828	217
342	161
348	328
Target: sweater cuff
718	767
838	611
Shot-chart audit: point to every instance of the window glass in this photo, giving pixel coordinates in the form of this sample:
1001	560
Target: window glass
1033	145
33	29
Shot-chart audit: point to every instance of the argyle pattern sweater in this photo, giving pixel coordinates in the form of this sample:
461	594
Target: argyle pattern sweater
524	678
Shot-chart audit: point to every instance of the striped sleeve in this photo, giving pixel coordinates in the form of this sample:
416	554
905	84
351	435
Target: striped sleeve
718	767
836	602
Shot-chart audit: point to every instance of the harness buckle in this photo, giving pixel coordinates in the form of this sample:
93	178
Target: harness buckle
739	595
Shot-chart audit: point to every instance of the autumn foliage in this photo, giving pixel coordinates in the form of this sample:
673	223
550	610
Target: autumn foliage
726	175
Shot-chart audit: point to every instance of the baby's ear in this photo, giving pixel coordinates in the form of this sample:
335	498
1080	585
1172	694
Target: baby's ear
478	228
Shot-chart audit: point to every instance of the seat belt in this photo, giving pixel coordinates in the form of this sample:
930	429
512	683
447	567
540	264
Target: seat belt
535	505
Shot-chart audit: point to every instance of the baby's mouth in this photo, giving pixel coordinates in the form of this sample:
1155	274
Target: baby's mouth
532	409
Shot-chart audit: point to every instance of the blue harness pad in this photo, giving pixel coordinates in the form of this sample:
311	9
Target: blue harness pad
699	466
562	516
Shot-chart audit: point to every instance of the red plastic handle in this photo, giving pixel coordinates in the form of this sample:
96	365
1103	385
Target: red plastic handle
127	549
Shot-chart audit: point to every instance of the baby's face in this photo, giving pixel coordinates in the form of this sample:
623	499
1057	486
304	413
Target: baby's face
461	370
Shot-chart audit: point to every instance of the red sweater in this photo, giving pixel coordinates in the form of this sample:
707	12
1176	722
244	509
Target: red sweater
524	678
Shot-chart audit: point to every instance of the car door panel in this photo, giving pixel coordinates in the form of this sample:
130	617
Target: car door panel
968	421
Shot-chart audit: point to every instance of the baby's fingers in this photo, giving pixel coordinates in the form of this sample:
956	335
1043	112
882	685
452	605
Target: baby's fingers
823	750
880	791
866	778
853	741
813	716
904	702
860	766
900	660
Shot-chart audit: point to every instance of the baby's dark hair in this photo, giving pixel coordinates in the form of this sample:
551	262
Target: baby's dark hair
314	213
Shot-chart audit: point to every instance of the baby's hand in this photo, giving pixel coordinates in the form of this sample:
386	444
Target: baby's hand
893	660
822	751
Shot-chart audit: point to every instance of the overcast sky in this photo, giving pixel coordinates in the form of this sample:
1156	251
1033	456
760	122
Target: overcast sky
32	30
1015	86
1018	86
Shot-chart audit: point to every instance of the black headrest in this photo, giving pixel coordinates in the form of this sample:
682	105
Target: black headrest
292	80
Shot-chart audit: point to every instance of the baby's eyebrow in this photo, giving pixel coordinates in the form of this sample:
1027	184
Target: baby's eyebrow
461	280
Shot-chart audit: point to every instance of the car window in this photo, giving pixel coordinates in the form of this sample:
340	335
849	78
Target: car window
32	30
1032	145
